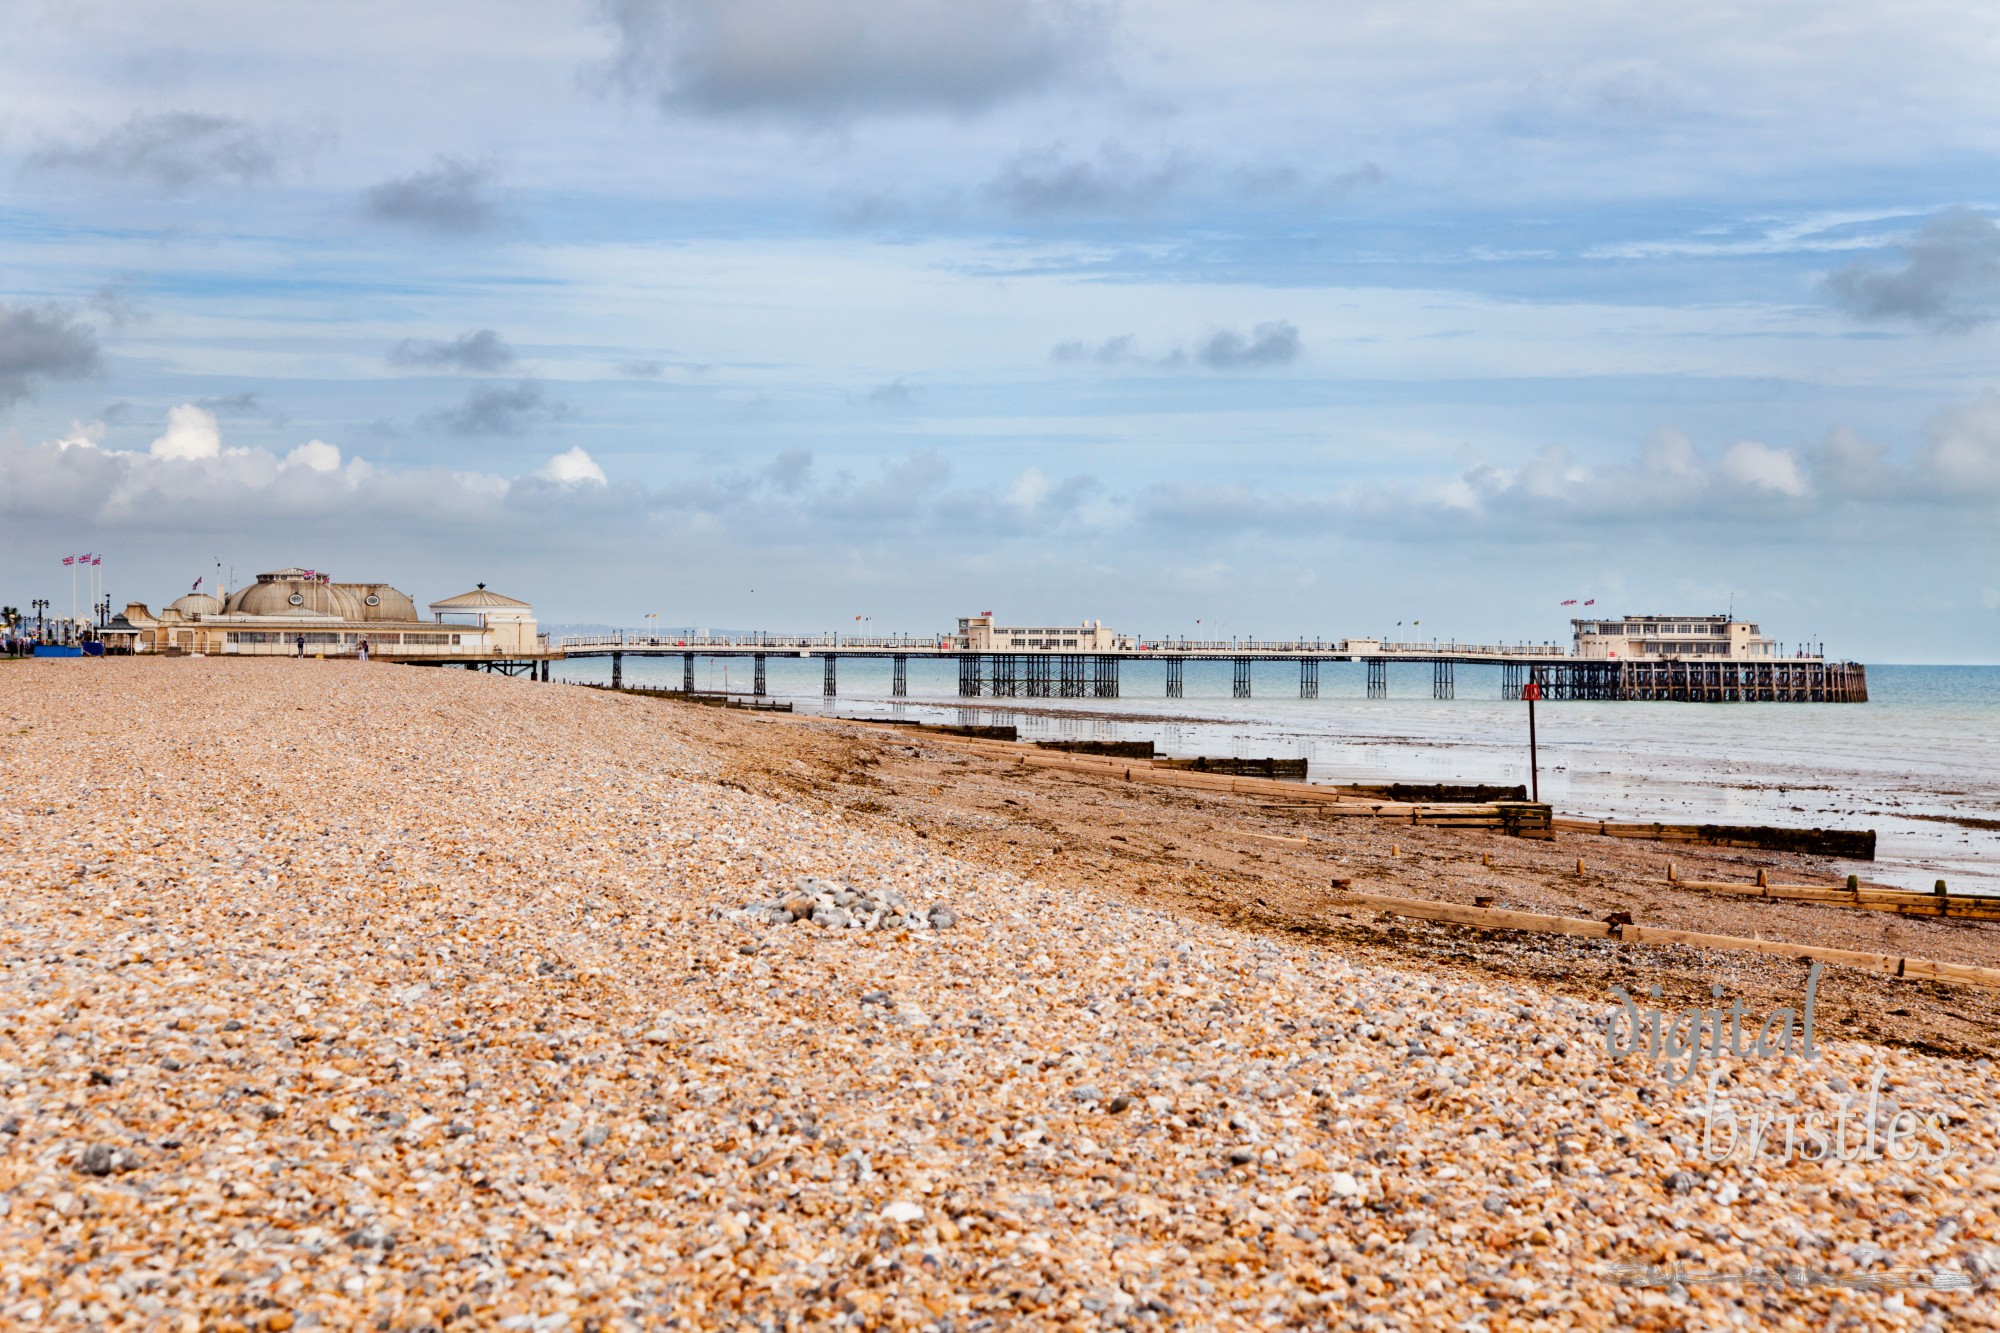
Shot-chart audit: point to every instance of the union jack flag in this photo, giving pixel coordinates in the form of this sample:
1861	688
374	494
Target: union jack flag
69	560
1570	602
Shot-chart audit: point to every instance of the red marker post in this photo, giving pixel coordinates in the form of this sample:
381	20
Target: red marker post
1531	692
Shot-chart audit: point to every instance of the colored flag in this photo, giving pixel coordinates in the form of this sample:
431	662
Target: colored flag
1591	602
196	587
1570	602
97	560
69	560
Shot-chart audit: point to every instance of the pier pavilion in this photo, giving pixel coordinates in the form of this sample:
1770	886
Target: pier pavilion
269	618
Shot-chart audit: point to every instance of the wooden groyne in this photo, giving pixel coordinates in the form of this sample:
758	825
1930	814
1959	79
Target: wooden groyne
1969	907
1291	770
1497	918
1433	791
1845	844
1113	749
1520	818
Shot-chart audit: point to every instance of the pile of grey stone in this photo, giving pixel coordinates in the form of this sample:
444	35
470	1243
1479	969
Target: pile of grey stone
833	905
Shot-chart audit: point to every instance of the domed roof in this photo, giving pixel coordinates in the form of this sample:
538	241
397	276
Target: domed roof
270	596
379	601
196	604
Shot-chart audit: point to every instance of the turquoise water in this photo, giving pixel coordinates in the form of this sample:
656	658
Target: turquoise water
1924	750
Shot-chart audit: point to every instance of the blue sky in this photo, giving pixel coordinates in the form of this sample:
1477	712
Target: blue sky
1296	317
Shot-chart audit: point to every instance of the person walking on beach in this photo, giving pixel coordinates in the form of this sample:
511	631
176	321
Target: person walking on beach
364	649
302	646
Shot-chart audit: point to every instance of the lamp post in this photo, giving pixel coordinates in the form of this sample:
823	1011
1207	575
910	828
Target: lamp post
41	605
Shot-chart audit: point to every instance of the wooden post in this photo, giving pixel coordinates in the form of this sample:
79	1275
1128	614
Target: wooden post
1531	692
1763	879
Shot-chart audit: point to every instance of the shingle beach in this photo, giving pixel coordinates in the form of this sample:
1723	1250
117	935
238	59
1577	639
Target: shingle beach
349	996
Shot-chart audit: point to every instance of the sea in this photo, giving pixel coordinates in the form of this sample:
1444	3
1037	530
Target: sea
1919	763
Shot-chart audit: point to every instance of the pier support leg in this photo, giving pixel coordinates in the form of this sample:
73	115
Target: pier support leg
899	675
827	689
1037	673
1378	678
1175	684
1240	686
1309	678
1072	676
1510	680
617	671
1104	678
968	676
1006	680
687	673
1443	686
757	686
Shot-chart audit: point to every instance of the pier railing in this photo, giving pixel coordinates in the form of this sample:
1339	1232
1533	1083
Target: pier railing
945	643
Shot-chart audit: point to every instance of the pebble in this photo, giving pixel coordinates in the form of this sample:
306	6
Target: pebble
328	892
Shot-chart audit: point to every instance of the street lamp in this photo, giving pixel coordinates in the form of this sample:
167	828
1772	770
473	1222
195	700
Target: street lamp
41	605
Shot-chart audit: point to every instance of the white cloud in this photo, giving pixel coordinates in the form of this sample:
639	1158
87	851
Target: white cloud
573	467
317	455
1030	488
1964	446
82	435
1760	467
191	434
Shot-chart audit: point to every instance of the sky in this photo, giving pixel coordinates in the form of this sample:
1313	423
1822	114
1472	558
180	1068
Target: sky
1258	320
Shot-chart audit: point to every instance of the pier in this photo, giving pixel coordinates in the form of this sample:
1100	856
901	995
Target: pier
1042	673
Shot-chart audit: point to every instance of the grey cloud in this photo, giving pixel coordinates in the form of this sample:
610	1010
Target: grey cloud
896	393
451	197
819	58
500	409
1110	352
1048	183
119	307
40	343
482	350
232	404
791	471
1272	344
1949	282
174	150
1275	343
642	370
1357	178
